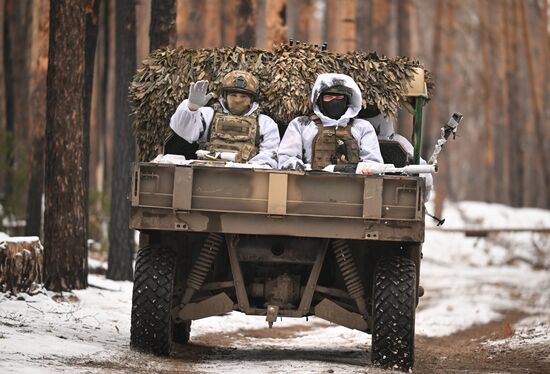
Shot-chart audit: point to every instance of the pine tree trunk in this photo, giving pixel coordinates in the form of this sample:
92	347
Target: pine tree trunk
341	25
381	27
97	215
404	48
190	23
363	25
162	32
228	18
246	23
213	33
92	24
433	112
2	82
503	157
37	91
543	160
121	238
515	123
275	23
487	77
65	234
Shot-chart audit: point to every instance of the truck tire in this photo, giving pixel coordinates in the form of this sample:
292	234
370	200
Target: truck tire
394	302
151	326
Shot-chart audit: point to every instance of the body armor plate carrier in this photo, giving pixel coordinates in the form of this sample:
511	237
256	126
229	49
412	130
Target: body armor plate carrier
333	146
230	133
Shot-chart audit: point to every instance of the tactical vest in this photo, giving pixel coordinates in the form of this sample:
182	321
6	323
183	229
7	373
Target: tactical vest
333	146
230	133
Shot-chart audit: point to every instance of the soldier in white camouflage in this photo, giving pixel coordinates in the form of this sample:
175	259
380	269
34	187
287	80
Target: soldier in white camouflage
236	132
331	138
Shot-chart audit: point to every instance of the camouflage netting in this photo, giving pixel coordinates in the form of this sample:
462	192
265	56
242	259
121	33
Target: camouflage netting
286	76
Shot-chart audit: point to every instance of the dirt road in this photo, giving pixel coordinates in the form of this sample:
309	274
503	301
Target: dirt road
464	352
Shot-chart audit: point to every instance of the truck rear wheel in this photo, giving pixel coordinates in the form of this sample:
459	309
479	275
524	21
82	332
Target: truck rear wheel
394	302
151	327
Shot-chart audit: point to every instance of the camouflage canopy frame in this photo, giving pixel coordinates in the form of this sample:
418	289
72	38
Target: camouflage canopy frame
286	76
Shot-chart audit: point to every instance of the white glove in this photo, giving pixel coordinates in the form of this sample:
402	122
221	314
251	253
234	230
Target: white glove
197	95
294	164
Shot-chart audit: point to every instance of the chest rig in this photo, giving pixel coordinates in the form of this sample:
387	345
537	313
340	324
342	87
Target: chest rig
333	146
230	133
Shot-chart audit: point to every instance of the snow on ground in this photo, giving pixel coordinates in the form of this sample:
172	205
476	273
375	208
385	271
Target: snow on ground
468	281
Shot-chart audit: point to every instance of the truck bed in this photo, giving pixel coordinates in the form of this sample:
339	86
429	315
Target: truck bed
276	202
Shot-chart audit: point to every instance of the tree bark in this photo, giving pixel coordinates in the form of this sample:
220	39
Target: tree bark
162	32
213	33
190	23
37	91
2	83
363	27
228	18
65	234
441	179
404	48
275	21
543	159
121	238
341	25
489	154
246	23
97	215
514	124
504	138
380	27
404	30
92	25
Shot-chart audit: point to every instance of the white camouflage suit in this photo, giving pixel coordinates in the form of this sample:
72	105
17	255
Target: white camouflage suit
384	129
301	131
193	126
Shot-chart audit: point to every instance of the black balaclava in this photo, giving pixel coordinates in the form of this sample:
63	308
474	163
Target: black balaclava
337	107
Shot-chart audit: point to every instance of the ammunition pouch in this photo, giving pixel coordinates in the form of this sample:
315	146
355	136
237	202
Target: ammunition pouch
345	168
230	133
333	146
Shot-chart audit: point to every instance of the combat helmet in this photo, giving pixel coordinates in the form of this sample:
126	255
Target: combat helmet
240	81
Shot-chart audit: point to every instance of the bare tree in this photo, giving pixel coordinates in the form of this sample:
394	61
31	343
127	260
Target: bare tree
121	240
65	234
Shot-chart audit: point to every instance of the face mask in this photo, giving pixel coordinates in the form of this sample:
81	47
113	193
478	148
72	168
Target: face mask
238	104
335	108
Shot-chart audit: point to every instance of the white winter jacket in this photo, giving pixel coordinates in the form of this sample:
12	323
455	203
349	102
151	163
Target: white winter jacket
384	129
193	126
298	138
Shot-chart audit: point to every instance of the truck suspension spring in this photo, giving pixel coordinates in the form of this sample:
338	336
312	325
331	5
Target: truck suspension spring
202	265
348	268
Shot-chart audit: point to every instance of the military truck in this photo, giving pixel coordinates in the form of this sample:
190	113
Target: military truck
346	248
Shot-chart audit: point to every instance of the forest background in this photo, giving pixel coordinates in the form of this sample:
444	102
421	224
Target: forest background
489	58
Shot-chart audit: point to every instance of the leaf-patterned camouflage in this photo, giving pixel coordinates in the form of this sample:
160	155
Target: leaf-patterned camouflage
286	76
